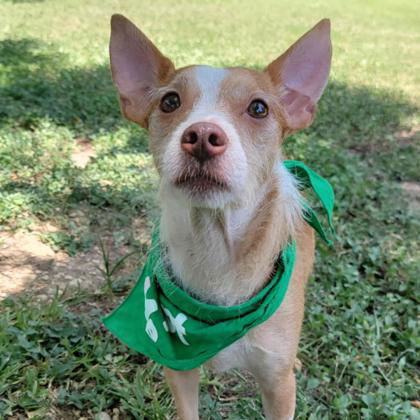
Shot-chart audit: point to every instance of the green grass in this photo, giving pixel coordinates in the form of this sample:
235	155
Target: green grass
359	339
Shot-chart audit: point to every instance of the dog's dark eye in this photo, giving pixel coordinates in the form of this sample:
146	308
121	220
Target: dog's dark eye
258	109
170	102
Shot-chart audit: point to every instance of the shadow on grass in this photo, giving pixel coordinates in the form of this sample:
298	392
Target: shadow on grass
38	85
39	82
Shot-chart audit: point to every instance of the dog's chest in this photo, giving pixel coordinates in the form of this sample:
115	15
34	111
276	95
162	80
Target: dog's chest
257	356
201	261
234	356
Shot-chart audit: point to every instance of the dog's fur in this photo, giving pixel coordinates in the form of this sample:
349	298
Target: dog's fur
225	220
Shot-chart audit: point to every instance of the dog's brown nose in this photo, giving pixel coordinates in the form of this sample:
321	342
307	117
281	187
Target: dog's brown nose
204	141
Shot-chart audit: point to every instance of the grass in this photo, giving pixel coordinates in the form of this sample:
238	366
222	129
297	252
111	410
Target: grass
359	339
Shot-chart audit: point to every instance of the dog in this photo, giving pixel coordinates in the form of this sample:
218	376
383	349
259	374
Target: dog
228	206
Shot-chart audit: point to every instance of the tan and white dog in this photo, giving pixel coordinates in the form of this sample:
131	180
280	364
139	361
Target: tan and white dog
228	207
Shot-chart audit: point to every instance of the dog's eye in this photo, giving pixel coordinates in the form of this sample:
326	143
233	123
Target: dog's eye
258	109
170	102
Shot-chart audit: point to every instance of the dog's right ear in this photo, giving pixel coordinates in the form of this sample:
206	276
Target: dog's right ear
137	68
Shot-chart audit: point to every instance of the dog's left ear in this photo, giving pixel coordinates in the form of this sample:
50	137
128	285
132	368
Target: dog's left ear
137	66
301	74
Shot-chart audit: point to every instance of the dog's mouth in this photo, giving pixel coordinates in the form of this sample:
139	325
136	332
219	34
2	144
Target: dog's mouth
201	182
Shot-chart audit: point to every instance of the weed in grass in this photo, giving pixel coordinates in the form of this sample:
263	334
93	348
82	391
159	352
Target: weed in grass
110	268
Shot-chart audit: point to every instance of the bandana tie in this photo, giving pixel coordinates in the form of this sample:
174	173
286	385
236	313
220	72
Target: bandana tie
162	321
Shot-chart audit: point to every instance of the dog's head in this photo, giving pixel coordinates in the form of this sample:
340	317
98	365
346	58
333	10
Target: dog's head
215	132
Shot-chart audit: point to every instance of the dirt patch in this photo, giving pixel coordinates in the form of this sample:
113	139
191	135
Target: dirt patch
402	139
22	257
83	152
412	190
409	135
29	266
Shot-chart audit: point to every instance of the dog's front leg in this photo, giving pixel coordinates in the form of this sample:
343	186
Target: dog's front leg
279	396
184	388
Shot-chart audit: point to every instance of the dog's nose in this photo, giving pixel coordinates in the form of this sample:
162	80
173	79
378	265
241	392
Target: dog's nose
204	141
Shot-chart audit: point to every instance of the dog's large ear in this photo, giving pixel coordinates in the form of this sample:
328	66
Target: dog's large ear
301	74
137	68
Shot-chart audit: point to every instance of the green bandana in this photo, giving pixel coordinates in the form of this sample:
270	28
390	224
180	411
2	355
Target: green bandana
162	321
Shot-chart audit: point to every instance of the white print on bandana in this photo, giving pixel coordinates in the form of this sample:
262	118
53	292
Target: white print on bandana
176	325
150	306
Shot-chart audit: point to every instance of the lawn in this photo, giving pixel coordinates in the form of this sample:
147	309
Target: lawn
57	103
